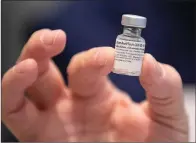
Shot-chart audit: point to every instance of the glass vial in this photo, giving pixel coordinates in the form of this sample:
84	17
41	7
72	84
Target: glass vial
130	46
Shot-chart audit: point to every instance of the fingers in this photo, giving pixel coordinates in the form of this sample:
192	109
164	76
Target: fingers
164	91
94	96
92	90
17	111
43	45
88	70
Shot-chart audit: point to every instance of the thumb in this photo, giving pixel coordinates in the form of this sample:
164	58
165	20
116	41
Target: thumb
163	86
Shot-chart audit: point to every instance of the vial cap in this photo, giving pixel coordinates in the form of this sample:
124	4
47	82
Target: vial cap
133	21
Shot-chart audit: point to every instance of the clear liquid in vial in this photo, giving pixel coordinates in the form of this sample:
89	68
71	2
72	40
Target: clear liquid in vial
129	52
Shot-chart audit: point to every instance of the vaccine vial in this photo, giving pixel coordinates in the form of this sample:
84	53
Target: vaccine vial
130	46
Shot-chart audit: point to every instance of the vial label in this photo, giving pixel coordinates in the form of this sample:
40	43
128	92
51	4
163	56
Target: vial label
128	57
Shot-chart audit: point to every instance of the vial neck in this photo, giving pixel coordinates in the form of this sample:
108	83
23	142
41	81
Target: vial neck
132	31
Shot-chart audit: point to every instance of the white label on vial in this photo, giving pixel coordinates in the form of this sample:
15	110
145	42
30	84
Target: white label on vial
128	57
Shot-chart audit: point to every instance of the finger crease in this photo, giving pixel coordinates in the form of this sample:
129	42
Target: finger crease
170	125
161	101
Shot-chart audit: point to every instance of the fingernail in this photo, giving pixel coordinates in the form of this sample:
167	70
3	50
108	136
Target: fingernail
159	69
99	58
49	37
156	65
56	33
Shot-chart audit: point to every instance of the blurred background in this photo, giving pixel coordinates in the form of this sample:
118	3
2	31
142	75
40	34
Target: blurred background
170	36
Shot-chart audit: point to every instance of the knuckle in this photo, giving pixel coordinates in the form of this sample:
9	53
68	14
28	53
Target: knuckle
3	82
72	64
73	60
4	79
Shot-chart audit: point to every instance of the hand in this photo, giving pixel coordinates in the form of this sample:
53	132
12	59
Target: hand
38	106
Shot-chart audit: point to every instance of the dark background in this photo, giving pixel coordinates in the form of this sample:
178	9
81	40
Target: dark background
170	32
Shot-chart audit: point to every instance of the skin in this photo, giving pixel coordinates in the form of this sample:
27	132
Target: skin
38	106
